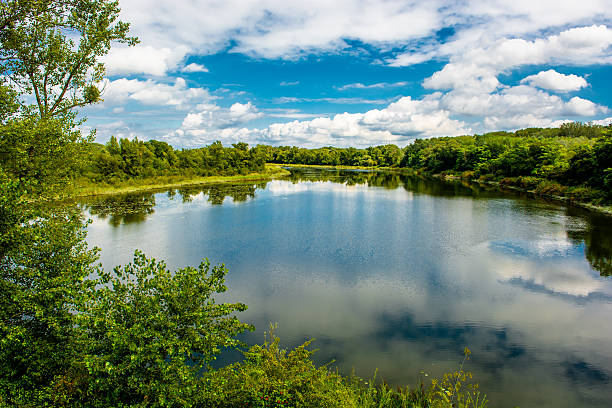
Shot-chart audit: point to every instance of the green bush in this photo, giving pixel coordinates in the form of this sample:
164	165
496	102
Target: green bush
273	377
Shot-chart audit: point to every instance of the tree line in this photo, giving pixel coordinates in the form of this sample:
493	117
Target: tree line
124	159
574	160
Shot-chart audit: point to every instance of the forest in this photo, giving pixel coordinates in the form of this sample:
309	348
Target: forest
124	159
574	160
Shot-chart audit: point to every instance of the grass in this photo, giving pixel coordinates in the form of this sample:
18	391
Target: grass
271	376
84	188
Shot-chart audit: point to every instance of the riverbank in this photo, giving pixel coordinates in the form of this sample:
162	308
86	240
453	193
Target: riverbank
165	182
541	188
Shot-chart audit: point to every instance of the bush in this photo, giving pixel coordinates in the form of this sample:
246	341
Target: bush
273	377
152	331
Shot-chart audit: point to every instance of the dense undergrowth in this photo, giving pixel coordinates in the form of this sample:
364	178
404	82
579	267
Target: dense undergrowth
271	376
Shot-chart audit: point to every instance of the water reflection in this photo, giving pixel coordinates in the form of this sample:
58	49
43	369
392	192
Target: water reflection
399	273
122	209
136	207
597	240
217	193
593	231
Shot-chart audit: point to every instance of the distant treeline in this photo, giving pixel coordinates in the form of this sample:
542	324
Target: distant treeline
574	160
124	159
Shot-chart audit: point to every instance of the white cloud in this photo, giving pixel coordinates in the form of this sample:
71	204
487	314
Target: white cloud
554	81
398	123
380	85
603	122
169	32
339	101
242	113
145	59
288	29
119	129
479	66
582	107
210	122
289	113
410	58
490	38
149	92
470	78
517	100
193	67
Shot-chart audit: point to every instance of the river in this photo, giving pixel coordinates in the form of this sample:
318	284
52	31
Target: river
398	273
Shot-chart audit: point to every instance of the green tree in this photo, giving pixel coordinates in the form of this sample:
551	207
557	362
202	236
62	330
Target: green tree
140	338
44	263
152	331
50	49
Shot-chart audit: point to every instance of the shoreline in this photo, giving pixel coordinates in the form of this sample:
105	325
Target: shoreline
604	210
92	190
275	170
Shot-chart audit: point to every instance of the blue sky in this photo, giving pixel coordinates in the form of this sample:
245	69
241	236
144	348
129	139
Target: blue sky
354	72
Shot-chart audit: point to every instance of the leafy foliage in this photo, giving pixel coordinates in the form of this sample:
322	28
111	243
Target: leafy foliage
271	376
125	159
574	160
44	263
50	49
151	331
274	377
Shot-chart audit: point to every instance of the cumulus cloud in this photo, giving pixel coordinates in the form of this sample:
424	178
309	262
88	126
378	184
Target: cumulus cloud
145	59
210	122
518	100
193	67
149	92
487	39
554	81
268	28
380	85
603	122
479	67
288	30
398	123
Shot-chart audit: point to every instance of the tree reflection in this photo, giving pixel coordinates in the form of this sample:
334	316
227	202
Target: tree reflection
122	209
392	180
218	192
349	177
134	208
597	238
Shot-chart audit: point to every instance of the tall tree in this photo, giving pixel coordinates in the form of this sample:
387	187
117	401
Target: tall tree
51	50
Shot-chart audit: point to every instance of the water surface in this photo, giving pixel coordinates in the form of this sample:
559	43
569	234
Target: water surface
399	274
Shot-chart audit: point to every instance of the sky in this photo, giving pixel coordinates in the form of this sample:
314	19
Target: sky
353	72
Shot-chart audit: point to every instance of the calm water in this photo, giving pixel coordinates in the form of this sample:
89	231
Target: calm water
400	274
